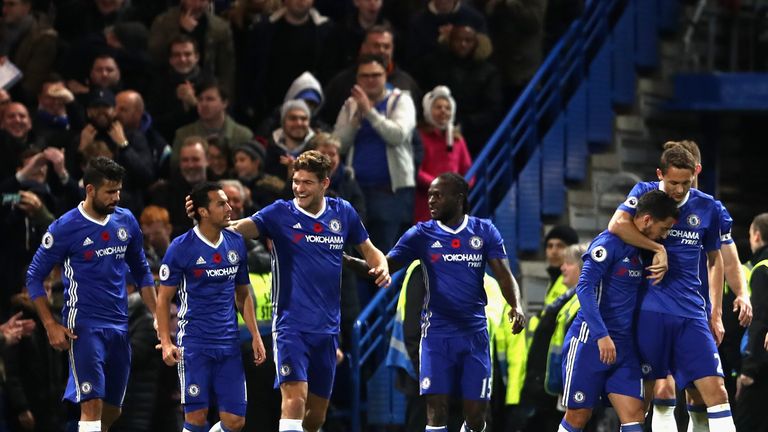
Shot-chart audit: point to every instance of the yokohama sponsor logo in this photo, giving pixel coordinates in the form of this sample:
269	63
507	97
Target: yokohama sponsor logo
462	257
111	250
691	235
311	238
227	271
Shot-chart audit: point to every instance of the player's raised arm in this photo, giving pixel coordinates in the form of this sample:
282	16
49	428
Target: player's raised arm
377	263
170	352
511	292
247	307
246	227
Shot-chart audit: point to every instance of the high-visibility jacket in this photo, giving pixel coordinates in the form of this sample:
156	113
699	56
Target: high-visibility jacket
261	285
553	381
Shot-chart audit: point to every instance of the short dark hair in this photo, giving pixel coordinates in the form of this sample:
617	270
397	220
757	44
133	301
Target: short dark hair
211	84
182	39
314	162
100	169
760	222
459	186
199	196
678	157
371	58
658	205
379	28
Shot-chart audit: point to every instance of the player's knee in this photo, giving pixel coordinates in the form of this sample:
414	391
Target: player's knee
314	420
437	414
578	418
475	420
197	417
233	423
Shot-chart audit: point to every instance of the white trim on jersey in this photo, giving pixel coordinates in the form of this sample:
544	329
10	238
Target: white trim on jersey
81	209
569	361
274	353
202	238
313	216
275	288
183	308
599	293
180	371
457	230
74	370
69	272
427	313
685	198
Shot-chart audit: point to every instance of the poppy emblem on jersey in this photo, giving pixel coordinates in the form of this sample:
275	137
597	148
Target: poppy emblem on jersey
631	202
122	234
456	243
425	383
476	242
105	236
599	254
285	370
232	257
334	225
646	368
88	255
578	396
86	387
693	220
297	237
198	273
317	228
216	258
164	272
193	390
435	257
47	240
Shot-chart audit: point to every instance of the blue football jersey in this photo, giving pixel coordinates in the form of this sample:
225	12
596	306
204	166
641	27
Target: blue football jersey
94	255
206	274
454	262
726	222
696	231
306	261
608	288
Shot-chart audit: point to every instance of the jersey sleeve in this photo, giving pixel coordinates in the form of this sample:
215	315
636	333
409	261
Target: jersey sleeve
726	223
242	277
494	243
597	263
261	219
713	232
630	204
172	270
53	250
407	248
135	258
357	232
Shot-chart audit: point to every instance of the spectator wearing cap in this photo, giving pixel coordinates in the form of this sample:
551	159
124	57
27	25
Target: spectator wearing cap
288	141
444	147
213	120
555	243
263	188
212	35
307	88
129	147
130	112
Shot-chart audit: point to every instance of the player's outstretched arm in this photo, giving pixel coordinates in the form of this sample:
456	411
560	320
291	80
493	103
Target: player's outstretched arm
511	292
715	272
734	275
377	263
621	225
246	227
247	307
171	354
58	336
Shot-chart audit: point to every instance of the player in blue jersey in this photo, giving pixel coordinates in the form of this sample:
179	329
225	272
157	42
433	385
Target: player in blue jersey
94	242
674	335
454	249
308	235
208	266
599	352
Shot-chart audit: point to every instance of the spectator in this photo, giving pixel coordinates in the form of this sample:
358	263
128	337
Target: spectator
129	147
156	226
351	32
263	189
128	42
343	183
288	141
173	99
129	111
307	88
430	27
212	103
474	82
294	39
259	259
104	74
56	117
444	148
30	43
379	40
375	125
211	33
219	166
15	137
77	19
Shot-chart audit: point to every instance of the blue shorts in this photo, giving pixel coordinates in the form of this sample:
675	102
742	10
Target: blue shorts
99	365
681	346
587	380
309	357
207	374
456	365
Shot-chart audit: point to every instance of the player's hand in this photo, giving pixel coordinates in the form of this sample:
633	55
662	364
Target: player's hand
658	267
517	319
27	420
716	326
171	353
743	382
744	306
189	207
381	275
59	336
607	350
259	353
339	356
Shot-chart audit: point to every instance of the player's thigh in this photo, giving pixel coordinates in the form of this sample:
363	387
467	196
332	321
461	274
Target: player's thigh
584	375
194	369
117	366
655	343
86	356
229	383
437	365
291	357
475	367
625	384
322	363
695	354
